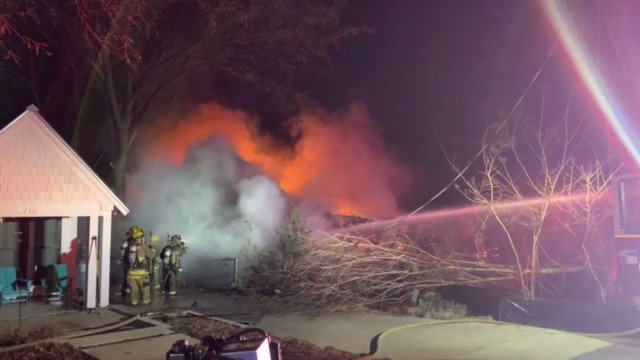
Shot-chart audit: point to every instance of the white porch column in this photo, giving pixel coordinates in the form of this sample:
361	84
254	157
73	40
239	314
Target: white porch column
92	262
69	232
105	258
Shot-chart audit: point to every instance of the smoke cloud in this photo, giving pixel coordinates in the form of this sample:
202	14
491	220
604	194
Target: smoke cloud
222	206
339	163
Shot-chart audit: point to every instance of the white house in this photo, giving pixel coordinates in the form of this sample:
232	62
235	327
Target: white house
54	208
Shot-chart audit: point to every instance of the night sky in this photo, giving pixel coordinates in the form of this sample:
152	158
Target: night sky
453	64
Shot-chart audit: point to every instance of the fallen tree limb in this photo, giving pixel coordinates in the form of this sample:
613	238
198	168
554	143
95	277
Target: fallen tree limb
346	271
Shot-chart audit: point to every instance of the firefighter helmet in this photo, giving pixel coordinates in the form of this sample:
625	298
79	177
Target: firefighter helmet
135	232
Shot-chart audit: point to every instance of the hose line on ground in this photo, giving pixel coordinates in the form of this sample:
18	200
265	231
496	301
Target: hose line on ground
377	340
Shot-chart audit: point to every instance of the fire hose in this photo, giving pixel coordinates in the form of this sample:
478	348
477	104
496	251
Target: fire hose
375	342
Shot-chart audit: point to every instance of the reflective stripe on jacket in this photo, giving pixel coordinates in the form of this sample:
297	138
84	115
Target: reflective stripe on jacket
137	273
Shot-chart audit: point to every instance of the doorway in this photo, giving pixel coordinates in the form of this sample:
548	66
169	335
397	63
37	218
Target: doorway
10	243
29	242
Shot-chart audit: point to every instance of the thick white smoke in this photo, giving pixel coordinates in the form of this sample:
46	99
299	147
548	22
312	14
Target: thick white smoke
222	207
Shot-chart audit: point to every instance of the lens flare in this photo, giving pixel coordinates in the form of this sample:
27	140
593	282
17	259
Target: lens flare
613	117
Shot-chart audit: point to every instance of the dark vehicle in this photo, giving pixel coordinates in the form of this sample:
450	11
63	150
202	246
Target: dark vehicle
626	221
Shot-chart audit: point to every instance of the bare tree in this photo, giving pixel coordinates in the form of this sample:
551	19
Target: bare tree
14	15
532	180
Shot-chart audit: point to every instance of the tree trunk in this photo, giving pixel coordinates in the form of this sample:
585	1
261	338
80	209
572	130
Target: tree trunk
122	118
120	164
85	108
119	173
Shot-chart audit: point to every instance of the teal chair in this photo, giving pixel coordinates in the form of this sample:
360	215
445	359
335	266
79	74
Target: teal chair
13	290
55	282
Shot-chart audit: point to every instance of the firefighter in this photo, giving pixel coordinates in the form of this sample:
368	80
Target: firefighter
155	261
123	260
171	255
137	266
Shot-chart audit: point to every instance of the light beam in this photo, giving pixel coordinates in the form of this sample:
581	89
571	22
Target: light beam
590	77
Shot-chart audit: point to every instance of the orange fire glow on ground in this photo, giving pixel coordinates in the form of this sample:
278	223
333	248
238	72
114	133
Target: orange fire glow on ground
339	161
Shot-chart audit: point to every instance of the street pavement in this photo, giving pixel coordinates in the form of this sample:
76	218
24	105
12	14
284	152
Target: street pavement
485	340
416	339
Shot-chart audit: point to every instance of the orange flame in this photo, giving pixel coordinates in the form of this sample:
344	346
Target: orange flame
340	160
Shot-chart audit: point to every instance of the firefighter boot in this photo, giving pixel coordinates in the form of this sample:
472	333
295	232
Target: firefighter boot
172	284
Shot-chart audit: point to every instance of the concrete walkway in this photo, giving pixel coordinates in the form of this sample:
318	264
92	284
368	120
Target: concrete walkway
38	314
10	312
135	338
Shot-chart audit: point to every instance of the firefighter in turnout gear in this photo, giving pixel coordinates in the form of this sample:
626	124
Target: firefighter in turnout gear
124	260
155	262
137	267
171	255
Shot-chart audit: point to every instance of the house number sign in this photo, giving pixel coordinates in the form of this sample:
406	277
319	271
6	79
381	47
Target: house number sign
28	211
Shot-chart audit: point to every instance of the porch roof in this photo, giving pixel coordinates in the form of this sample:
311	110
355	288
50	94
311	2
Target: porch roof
41	175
